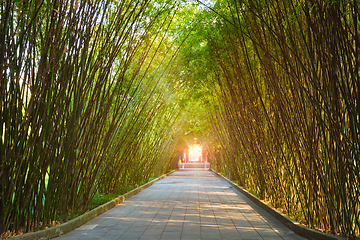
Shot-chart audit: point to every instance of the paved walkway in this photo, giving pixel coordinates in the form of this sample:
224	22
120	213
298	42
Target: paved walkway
185	205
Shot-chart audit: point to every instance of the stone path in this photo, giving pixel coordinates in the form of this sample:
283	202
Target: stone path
185	205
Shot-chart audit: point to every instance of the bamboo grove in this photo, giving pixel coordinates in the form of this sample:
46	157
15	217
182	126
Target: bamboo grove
285	107
83	103
100	94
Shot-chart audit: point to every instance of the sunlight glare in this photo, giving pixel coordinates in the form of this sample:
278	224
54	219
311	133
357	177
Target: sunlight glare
195	153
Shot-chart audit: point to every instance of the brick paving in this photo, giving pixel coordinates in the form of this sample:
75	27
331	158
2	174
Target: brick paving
185	205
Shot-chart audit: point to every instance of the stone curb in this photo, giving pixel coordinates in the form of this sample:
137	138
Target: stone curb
80	220
284	219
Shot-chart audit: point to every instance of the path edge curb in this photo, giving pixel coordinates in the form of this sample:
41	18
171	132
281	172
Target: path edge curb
302	230
82	219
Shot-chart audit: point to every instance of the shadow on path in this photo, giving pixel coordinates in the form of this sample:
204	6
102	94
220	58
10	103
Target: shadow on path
185	205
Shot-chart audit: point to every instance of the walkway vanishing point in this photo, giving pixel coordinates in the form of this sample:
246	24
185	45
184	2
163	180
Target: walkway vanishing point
185	205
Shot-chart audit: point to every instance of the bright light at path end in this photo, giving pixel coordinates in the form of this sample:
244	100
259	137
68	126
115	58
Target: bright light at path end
195	153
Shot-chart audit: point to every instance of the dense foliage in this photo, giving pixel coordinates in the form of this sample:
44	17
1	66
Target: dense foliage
285	106
100	94
84	107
